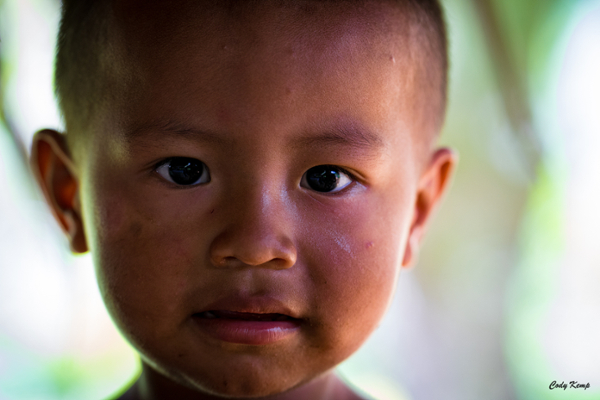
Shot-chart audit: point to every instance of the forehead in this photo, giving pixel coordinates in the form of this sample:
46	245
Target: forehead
360	19
218	35
240	58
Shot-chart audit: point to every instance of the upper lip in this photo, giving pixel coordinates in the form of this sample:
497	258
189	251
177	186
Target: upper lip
251	304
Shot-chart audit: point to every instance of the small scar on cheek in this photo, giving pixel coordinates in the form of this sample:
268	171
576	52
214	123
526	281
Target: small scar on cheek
369	245
212	211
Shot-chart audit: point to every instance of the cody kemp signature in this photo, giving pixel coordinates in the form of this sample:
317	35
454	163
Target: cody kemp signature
570	385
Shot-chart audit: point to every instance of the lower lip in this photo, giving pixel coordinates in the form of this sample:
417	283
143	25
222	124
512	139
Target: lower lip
247	332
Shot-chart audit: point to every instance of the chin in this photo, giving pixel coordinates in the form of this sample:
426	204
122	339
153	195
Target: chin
236	388
247	384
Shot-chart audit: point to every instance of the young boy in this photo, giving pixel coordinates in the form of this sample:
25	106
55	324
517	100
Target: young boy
250	177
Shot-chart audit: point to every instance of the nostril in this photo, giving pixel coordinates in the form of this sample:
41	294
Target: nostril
227	261
265	248
281	263
273	263
273	258
224	261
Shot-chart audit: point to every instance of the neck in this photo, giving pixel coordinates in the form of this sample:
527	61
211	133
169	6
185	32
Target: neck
152	385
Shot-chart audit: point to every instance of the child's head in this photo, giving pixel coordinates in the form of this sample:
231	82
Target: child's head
250	176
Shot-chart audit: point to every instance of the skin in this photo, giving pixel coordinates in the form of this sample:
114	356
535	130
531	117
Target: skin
279	82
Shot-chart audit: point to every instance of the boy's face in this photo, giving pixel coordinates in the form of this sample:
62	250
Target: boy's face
253	102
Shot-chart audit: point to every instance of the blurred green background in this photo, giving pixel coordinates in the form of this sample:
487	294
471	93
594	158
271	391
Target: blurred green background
505	297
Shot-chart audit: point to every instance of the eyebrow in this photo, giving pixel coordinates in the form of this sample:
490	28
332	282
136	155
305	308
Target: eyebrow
158	128
341	136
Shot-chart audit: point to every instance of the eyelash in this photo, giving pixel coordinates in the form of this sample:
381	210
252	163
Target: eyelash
185	170
303	182
325	182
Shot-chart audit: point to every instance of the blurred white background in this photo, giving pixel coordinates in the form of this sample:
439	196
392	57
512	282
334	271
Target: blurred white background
504	299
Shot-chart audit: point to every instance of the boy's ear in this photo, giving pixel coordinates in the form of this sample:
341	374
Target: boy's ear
432	185
56	174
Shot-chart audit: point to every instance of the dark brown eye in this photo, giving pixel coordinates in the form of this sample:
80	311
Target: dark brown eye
184	171
325	179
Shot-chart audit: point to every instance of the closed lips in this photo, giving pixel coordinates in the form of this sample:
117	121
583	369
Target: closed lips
244	316
247	328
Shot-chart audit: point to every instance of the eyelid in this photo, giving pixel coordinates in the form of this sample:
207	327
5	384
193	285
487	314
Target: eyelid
351	176
168	180
347	186
354	177
345	171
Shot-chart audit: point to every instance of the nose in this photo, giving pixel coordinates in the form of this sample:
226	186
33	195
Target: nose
256	233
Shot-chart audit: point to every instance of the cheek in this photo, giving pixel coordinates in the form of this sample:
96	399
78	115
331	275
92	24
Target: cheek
354	259
144	255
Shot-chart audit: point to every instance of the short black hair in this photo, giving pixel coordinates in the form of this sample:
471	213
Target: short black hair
83	37
86	73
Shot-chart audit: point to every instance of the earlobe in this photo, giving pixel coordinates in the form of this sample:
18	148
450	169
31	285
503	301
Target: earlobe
433	184
57	178
410	252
